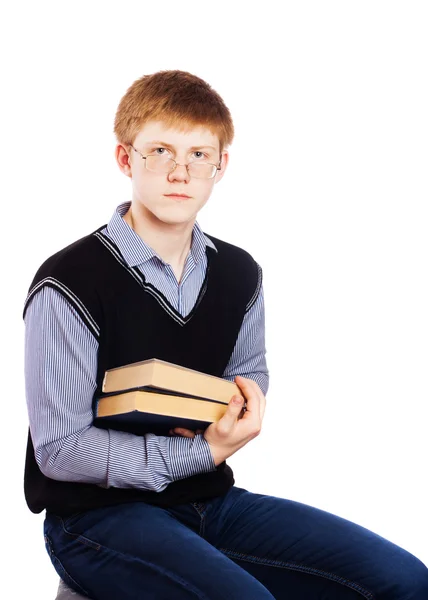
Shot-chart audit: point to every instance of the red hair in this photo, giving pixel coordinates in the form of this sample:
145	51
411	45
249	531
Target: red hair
178	99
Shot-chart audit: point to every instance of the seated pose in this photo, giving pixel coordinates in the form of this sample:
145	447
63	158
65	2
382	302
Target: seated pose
159	517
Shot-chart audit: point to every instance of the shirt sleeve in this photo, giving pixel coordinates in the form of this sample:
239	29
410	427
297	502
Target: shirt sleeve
60	380
248	358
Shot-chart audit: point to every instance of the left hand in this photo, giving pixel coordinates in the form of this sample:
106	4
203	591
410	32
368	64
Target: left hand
179	431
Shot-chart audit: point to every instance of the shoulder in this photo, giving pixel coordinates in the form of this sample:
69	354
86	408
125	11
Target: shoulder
77	256
73	271
230	250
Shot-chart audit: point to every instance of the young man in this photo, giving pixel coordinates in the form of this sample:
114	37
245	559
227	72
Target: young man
159	516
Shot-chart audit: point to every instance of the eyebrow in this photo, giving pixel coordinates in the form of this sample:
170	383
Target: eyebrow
160	143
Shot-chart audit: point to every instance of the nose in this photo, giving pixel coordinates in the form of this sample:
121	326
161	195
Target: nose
179	173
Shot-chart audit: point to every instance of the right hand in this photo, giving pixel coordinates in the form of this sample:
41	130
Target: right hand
230	433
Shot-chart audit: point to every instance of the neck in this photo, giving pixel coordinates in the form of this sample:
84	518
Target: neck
171	242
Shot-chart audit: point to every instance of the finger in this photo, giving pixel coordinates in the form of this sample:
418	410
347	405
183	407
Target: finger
229	419
249	386
246	382
184	432
261	397
250	390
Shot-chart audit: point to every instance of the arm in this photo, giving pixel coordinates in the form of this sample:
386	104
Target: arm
248	364
248	358
60	379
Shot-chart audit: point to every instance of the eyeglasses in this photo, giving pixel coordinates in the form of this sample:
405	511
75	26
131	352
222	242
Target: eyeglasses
160	163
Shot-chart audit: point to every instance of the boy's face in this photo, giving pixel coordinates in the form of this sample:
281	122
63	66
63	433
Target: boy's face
153	192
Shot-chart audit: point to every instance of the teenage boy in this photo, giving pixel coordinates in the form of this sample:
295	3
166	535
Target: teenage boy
159	516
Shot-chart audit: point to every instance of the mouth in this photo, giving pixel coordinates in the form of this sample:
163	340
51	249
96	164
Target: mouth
177	197
183	196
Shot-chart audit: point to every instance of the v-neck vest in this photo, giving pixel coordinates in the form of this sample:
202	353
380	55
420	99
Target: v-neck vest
133	321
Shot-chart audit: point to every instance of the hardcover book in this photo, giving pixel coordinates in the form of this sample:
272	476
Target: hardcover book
160	374
154	396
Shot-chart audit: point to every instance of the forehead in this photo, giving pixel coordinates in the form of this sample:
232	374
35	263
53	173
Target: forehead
187	137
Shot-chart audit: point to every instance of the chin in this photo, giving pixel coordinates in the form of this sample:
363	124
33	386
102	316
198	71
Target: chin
176	219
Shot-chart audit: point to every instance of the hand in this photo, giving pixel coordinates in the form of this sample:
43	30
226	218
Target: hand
180	431
232	432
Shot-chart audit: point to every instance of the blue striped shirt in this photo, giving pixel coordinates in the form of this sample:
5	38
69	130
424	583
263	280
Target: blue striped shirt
61	368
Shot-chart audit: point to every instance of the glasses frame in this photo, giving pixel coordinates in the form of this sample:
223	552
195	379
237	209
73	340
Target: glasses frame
176	164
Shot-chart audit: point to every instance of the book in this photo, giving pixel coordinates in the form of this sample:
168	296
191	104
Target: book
155	396
143	411
161	375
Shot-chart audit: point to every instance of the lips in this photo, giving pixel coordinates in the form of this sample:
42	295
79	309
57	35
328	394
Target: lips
178	195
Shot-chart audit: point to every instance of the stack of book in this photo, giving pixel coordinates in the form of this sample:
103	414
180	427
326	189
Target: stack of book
156	396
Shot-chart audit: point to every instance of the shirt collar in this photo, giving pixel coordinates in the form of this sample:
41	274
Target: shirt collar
135	250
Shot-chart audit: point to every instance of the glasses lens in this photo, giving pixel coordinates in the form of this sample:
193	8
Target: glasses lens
202	170
159	163
162	164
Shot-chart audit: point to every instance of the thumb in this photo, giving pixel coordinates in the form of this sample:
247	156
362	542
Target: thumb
231	415
234	408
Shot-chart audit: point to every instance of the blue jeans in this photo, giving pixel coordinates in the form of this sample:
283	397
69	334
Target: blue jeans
240	546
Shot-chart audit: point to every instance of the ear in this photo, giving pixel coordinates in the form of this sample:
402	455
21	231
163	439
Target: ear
123	159
224	163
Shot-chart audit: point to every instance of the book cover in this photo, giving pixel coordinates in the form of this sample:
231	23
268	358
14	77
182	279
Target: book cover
146	411
162	375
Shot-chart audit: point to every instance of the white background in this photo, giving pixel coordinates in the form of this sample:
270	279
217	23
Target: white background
327	188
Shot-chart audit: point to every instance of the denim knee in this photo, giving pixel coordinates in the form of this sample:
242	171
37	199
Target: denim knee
412	579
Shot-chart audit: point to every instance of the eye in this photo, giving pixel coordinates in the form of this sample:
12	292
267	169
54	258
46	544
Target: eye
200	154
159	151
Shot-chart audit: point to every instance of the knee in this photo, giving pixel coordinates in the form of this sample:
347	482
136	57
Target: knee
421	582
412	579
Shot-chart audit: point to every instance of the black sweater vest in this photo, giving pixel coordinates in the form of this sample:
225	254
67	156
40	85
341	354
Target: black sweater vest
133	321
